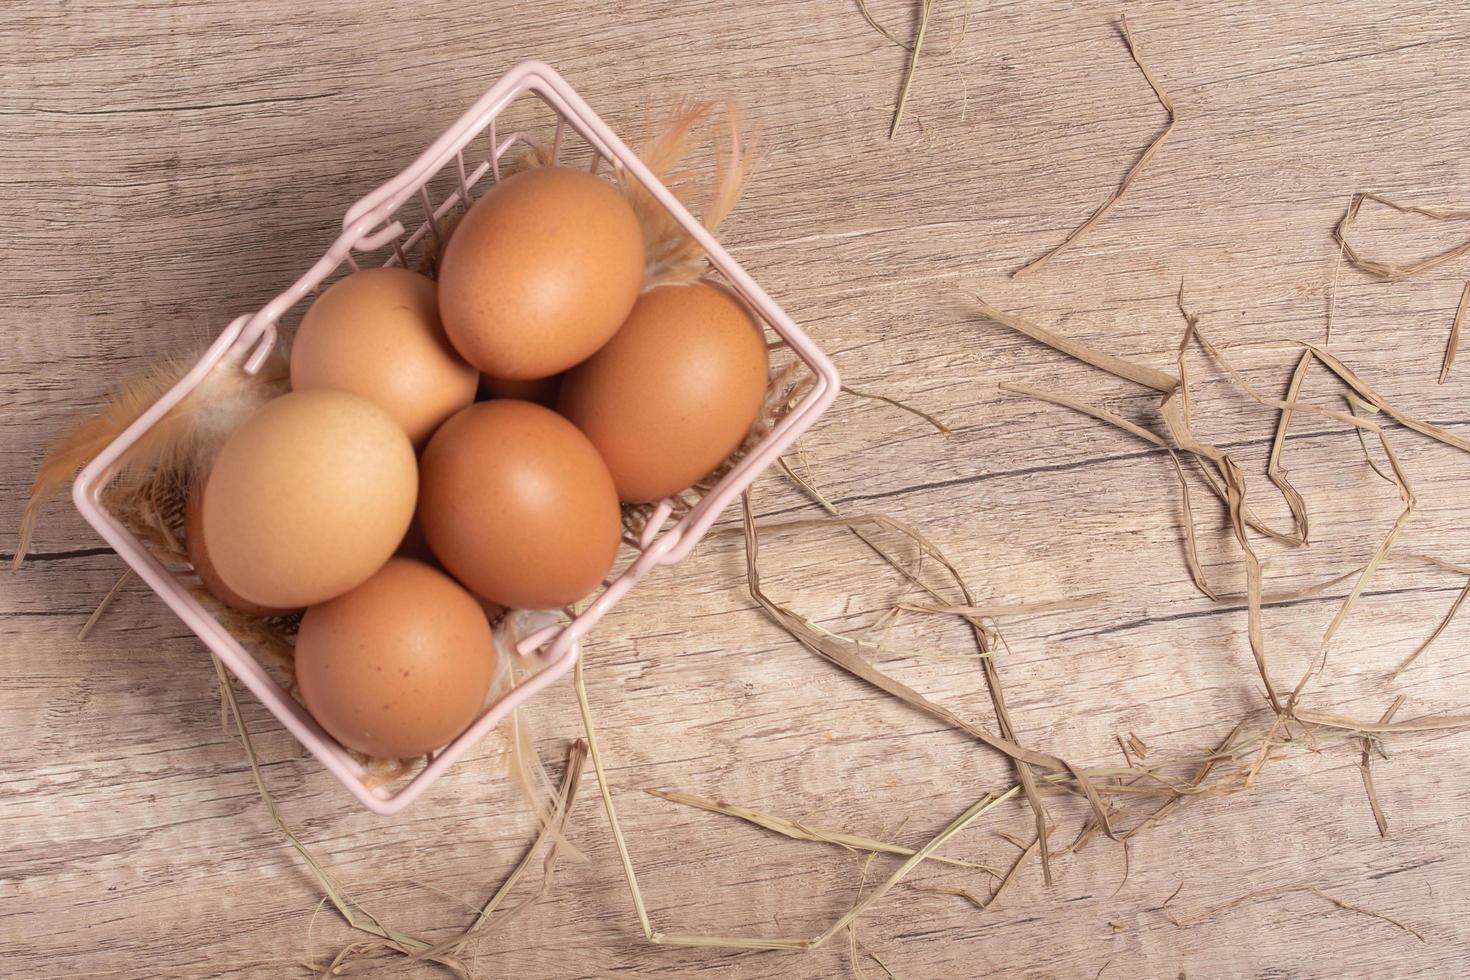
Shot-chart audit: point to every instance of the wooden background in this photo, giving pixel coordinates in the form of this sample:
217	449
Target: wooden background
169	165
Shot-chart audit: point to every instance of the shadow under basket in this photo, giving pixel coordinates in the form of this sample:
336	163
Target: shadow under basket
400	224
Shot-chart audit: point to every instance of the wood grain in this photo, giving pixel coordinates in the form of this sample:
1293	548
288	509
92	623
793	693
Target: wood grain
169	166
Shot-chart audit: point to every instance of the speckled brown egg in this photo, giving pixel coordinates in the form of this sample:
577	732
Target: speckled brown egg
308	498
540	272
198	551
674	393
398	666
377	334
517	505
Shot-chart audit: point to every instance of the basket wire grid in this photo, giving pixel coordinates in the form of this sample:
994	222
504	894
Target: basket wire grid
374	228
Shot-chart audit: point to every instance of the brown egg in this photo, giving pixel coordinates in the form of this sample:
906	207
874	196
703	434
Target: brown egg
542	391
204	566
308	498
674	393
377	334
398	666
518	506
540	272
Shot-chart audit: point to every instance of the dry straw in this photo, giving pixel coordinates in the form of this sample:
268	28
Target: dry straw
1366	765
798	830
1388	271
1395	271
1439	628
1281	890
1452	345
925	7
915	50
1134	171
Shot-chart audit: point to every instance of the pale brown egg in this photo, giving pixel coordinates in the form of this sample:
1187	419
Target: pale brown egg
540	272
198	552
377	334
517	505
674	393
398	666
308	498
542	391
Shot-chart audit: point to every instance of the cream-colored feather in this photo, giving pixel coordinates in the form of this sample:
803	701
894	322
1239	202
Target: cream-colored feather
669	145
735	157
181	444
90	436
522	762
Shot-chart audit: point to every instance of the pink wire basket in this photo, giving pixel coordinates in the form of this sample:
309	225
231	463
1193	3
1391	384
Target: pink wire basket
376	230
